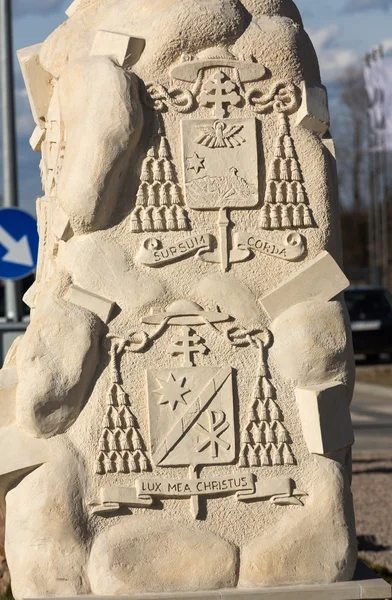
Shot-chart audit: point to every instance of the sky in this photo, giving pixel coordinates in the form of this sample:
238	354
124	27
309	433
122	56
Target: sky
343	31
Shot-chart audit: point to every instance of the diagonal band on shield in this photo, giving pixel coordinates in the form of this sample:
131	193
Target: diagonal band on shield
184	424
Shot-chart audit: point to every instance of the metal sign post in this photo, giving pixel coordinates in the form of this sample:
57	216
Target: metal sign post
10	190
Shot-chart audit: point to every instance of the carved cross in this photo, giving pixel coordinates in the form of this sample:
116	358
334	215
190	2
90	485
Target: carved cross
187	344
219	91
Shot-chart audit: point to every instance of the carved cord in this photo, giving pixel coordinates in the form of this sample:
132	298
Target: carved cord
283	97
121	445
159	98
265	440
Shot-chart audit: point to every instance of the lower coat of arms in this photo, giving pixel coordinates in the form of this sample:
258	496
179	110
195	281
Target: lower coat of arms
191	416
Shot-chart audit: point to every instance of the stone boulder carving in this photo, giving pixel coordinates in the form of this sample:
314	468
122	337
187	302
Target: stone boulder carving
176	417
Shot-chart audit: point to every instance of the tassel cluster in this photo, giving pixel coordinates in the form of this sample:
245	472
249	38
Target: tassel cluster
286	204
265	441
159	199
121	446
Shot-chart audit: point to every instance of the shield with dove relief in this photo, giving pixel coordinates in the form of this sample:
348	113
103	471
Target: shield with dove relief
220	169
220	163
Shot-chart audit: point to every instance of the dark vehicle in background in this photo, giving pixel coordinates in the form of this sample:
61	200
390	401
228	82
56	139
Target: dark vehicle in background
370	310
25	284
10	330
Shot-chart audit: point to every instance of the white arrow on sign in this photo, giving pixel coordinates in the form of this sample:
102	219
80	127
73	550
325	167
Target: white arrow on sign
19	251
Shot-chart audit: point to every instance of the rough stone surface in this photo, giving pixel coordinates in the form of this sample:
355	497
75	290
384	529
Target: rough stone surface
50	549
325	417
153	393
67	339
259	562
202	561
372	489
315	328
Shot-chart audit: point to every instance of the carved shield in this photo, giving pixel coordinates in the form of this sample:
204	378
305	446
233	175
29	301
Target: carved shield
191	416
220	163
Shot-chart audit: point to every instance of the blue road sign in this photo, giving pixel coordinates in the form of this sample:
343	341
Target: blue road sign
18	243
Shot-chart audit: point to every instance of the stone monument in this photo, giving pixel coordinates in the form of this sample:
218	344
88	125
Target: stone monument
176	417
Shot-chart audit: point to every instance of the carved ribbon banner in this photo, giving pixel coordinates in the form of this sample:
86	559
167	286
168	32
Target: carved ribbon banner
154	254
112	498
184	488
246	488
278	491
292	248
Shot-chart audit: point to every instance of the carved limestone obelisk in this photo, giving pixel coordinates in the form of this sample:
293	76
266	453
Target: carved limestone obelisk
176	417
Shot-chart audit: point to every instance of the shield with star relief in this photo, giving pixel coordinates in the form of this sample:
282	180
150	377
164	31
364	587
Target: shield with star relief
191	416
220	163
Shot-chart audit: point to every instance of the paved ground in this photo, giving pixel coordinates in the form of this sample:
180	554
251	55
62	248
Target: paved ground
372	492
378	374
371	412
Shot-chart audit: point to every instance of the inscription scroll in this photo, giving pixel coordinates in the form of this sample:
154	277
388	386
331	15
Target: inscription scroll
154	254
291	249
245	487
184	488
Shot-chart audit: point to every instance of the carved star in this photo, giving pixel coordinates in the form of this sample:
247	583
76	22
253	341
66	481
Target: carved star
172	391
195	162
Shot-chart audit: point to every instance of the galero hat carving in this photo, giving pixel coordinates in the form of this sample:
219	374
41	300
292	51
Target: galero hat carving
185	312
188	70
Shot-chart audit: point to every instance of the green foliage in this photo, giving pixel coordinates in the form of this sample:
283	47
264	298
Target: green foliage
381	571
8	594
